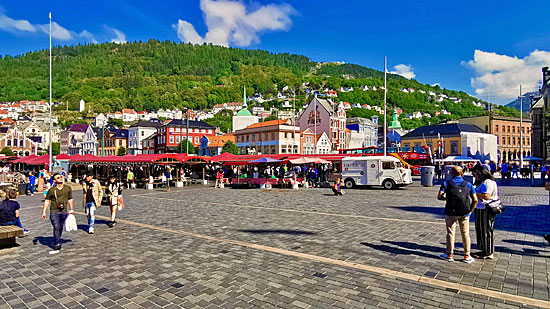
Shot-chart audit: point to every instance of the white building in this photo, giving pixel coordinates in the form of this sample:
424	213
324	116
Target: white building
243	119
100	120
129	115
363	133
138	132
232	106
89	141
81	106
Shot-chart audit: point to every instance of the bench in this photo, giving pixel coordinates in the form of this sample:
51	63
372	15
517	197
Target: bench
8	234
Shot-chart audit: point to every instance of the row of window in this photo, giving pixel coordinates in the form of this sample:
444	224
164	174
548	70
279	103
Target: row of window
258	137
16	142
511	129
506	140
184	130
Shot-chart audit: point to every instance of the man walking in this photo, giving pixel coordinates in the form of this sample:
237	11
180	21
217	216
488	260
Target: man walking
91	200
461	200
60	200
130	178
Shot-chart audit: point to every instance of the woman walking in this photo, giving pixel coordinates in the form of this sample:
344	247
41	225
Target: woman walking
486	191
114	190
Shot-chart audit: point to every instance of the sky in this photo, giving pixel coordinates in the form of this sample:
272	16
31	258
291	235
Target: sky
485	48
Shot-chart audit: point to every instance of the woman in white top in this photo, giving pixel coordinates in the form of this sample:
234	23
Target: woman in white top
113	192
486	191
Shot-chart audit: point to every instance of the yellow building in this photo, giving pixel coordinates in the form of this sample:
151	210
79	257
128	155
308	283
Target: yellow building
456	140
115	140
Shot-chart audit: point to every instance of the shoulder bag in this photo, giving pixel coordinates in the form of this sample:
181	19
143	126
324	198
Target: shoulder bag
495	207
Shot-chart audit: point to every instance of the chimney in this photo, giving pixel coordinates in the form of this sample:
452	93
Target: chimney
545	76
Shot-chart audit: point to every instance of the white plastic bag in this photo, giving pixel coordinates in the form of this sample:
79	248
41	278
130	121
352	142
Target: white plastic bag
70	223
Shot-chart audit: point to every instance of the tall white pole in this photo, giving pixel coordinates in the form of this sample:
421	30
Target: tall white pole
520	128
294	121
315	116
385	111
50	157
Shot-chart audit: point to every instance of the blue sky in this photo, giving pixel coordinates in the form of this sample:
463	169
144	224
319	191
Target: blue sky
482	47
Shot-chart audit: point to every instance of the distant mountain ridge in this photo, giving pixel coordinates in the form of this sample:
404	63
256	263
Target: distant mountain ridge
152	75
526	101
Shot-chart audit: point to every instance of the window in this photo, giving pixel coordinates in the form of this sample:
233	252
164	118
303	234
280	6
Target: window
416	144
266	137
513	129
454	148
496	129
177	139
509	141
486	128
273	136
196	139
513	140
388	165
508	129
247	138
407	145
253	137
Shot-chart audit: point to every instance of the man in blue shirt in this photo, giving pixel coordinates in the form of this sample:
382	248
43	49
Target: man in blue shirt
460	200
32	182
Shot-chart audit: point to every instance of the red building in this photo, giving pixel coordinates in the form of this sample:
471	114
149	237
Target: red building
174	131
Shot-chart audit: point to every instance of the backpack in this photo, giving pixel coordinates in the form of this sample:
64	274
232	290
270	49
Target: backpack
458	199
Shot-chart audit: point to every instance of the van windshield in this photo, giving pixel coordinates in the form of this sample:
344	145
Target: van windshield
388	165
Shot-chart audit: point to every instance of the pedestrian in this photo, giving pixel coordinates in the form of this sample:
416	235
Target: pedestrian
164	180
219	178
515	170
312	176
337	187
130	179
504	171
9	211
492	167
59	200
543	173
460	200
437	171
91	199
63	174
486	165
487	192
114	190
31	183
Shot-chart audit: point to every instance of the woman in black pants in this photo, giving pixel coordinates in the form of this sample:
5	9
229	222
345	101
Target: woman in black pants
486	191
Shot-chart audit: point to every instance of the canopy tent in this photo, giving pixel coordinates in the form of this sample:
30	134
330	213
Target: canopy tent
39	160
308	160
165	159
62	156
459	159
24	159
532	159
265	160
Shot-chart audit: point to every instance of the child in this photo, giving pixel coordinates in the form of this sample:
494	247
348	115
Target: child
337	188
9	211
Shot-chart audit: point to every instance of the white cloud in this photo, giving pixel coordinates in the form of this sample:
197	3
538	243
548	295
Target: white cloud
119	38
500	75
404	70
228	22
59	32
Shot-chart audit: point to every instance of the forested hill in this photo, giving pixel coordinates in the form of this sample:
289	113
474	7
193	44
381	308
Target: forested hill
152	75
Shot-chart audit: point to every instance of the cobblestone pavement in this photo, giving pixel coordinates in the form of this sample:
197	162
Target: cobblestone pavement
223	248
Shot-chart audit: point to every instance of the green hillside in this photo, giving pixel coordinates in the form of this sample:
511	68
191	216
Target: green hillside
152	75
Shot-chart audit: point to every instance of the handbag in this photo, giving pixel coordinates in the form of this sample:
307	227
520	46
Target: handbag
120	202
495	207
70	223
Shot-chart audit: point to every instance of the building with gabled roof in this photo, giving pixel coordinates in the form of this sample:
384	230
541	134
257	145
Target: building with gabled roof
323	116
172	132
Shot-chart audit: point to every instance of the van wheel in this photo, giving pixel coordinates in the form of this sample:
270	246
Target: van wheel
349	183
389	184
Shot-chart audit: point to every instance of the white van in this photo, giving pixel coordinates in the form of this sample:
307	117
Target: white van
383	171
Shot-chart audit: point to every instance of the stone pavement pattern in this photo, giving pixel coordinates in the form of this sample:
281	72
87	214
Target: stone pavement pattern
157	255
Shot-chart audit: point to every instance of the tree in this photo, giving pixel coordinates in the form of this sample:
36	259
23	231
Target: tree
7	151
231	148
121	151
182	147
116	122
56	149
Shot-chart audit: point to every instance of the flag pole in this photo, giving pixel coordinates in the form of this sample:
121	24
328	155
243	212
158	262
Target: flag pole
385	112
520	128
50	156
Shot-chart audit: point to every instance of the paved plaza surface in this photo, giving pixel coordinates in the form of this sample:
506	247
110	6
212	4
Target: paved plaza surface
201	247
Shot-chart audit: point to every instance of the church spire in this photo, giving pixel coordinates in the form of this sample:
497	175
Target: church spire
244	98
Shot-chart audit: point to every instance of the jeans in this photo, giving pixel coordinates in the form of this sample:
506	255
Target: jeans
58	220
464	225
30	187
16	223
90	209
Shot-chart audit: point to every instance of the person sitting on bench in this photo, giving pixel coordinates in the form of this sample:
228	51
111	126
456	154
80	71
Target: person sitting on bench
9	211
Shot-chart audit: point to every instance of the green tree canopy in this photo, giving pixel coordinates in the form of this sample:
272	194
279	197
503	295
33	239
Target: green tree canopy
231	148
116	122
7	151
121	151
183	146
56	149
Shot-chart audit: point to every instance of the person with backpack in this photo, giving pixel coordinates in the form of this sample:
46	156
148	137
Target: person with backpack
460	201
9	211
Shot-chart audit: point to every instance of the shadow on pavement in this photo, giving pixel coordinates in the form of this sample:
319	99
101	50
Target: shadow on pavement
84	227
47	241
437	211
409	249
287	232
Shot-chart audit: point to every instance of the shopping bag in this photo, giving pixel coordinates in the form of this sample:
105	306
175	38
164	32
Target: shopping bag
70	223
120	203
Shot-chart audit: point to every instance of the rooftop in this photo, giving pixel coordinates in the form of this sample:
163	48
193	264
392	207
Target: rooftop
443	129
